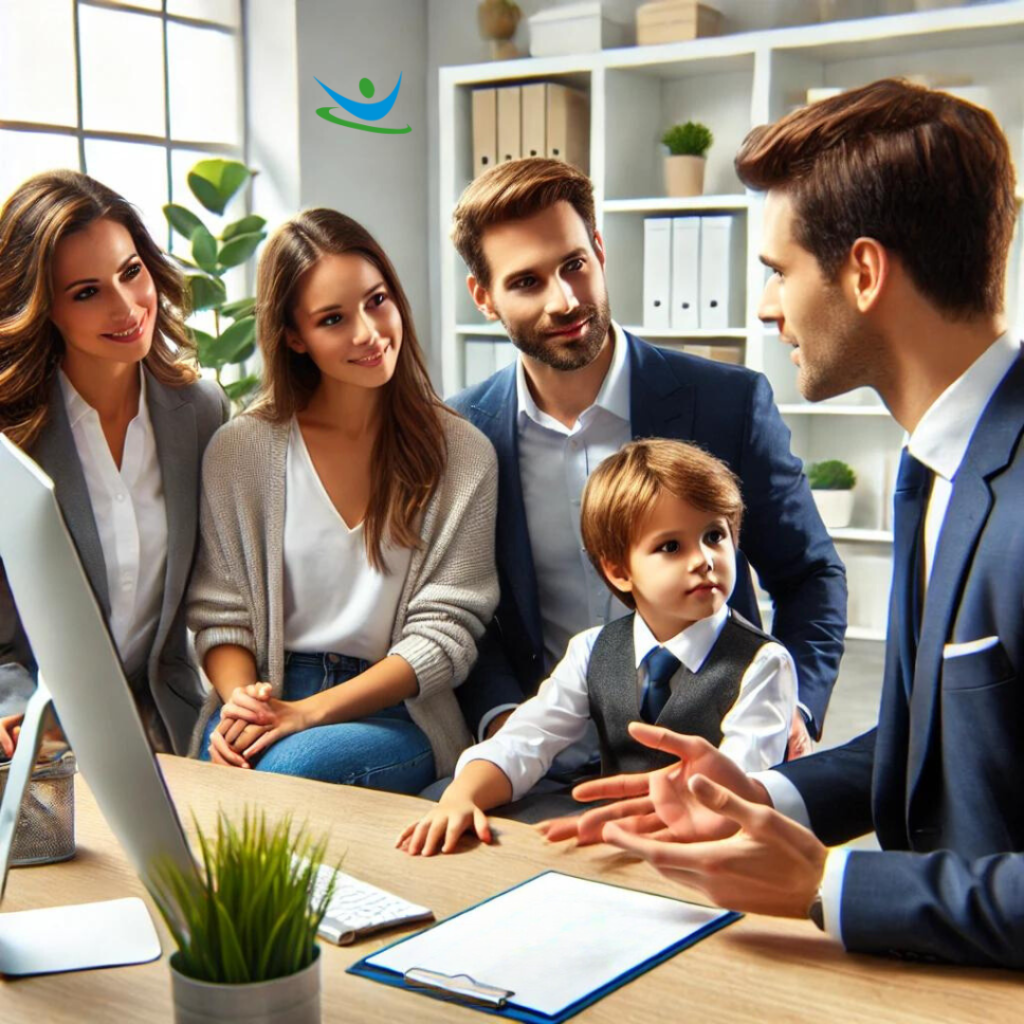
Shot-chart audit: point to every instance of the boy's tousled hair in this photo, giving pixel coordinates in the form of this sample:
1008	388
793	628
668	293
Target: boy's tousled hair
623	489
924	173
515	190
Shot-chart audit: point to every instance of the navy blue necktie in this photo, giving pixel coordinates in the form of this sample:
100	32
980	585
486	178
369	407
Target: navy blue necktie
913	486
662	665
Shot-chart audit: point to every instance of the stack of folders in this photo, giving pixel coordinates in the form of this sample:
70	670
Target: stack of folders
694	271
539	119
485	356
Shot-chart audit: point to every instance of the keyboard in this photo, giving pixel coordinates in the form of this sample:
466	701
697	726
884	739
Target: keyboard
358	908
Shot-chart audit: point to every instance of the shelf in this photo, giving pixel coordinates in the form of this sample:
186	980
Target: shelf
669	204
727	334
865	633
853	533
806	409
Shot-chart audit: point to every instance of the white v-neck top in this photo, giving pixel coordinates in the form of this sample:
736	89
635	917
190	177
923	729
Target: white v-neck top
334	600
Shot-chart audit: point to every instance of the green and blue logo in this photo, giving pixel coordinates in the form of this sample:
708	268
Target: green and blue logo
365	111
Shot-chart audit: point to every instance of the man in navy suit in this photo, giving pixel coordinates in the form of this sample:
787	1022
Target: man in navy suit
888	220
581	388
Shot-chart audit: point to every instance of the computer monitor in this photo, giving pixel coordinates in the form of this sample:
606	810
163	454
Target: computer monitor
82	671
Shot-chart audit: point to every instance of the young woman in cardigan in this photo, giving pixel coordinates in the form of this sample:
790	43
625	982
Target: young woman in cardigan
346	566
98	385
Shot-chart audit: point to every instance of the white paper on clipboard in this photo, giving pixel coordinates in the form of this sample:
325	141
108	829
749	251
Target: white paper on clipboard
554	921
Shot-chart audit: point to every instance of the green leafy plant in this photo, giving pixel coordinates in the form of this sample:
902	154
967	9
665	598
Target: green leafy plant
251	917
831	475
690	139
214	183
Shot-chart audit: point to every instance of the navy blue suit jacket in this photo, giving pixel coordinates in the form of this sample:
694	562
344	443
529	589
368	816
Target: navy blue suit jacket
729	411
941	777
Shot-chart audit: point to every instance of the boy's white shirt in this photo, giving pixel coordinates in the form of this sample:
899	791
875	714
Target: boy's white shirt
755	730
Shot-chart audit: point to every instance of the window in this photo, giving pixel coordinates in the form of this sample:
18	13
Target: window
132	93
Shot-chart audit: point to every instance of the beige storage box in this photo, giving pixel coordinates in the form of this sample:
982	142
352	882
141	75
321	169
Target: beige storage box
673	21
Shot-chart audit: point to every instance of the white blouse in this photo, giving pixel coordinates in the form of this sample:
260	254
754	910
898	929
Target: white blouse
334	600
131	519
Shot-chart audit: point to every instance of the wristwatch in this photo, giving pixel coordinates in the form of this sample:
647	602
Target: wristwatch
816	912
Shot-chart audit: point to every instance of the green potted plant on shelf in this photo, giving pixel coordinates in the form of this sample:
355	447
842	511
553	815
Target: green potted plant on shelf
246	924
214	183
688	145
832	488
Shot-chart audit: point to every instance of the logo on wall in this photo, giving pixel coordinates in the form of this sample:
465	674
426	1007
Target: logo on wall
365	111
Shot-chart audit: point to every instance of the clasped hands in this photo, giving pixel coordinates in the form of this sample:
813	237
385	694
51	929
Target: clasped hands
252	720
703	823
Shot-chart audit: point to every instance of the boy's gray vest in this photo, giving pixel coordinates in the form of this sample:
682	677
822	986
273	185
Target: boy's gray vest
698	703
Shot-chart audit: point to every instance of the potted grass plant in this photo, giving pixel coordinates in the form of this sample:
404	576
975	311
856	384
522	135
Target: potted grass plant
832	489
246	926
688	145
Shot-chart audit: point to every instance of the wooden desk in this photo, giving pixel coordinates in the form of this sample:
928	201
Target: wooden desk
757	969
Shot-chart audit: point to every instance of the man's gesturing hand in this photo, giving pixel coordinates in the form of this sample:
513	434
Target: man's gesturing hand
659	803
771	865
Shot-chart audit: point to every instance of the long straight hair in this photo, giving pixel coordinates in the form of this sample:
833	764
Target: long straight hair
409	453
44	210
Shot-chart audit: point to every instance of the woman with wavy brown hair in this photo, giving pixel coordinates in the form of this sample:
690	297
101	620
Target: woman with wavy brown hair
98	385
346	565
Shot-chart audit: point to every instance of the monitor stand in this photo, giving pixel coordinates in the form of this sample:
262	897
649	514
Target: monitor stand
73	938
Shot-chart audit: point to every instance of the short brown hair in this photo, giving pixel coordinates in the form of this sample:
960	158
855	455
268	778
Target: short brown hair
515	190
622	491
927	175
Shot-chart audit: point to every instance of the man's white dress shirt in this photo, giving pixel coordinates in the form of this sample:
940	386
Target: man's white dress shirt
755	729
939	442
131	519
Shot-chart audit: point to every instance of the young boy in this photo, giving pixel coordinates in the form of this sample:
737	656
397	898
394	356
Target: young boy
660	520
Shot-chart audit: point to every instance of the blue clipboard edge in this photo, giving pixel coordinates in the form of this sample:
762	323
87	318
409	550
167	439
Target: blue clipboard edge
363	969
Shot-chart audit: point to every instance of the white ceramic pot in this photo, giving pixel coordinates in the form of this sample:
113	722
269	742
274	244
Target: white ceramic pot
684	175
834	507
293	999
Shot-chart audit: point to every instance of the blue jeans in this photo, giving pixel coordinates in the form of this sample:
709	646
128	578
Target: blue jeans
385	751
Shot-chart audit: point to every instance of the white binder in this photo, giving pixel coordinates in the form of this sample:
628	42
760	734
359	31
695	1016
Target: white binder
685	298
721	273
657	271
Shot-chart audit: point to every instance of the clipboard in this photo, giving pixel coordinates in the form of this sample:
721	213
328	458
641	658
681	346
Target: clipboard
533	926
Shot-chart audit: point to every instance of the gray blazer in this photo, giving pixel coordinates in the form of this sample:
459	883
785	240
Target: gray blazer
184	419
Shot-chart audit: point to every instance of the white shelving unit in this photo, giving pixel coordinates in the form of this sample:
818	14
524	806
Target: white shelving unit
733	83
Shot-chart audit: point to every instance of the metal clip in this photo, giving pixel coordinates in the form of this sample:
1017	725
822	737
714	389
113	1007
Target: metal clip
460	987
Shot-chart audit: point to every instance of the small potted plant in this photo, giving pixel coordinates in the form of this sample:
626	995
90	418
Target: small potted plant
832	487
246	925
688	145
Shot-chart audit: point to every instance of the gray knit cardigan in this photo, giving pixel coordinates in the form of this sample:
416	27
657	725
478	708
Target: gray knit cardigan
450	592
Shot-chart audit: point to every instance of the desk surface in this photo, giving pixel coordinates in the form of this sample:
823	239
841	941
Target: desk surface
759	968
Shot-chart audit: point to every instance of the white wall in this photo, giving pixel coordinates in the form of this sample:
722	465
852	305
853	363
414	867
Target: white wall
390	182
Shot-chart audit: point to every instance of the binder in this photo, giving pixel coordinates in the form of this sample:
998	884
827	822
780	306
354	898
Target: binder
568	126
455	960
509	123
534	101
685	293
657	272
721	273
485	129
